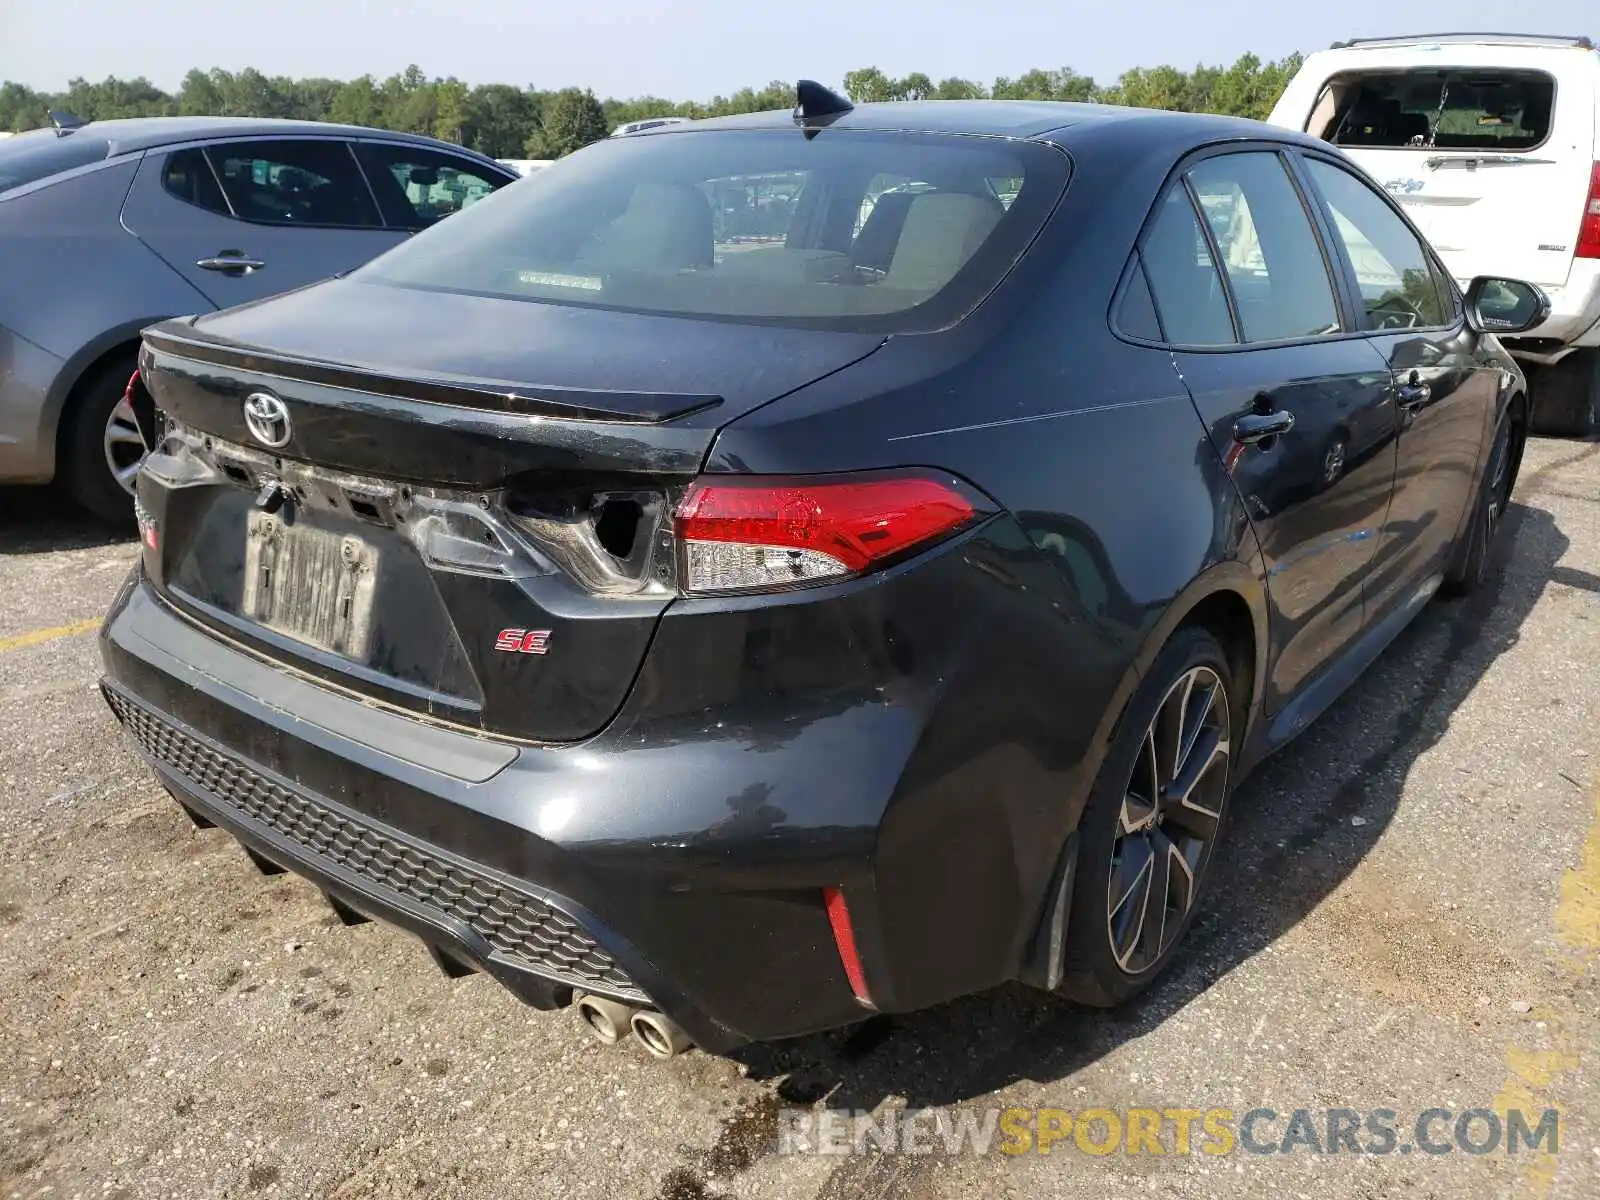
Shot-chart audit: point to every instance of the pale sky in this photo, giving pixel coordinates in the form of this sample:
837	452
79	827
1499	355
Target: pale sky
694	49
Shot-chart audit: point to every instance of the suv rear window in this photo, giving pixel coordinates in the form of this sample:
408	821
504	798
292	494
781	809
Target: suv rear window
1437	109
30	157
851	230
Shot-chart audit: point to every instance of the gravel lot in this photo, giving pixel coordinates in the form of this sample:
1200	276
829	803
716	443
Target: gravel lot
1408	916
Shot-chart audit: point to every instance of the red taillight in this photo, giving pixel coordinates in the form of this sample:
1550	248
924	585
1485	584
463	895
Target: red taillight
1589	230
844	936
742	534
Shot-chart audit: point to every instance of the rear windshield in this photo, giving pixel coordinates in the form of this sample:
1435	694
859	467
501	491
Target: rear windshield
1438	109
857	230
30	157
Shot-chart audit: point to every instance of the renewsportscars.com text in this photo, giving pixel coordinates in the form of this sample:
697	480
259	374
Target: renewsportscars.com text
1169	1131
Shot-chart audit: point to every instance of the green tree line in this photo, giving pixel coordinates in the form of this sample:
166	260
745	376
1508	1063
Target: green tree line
506	121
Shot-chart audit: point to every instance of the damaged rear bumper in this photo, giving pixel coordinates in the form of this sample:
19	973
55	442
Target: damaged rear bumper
457	839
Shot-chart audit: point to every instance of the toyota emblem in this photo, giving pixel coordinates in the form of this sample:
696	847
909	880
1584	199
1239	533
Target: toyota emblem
267	418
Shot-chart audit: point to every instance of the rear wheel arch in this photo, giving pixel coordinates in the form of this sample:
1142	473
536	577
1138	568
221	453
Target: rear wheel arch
89	361
85	443
1228	617
1229	601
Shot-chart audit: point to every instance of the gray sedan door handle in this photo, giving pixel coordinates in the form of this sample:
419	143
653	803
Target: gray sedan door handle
231	260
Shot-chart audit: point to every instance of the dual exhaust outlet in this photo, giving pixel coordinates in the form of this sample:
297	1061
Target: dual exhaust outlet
611	1020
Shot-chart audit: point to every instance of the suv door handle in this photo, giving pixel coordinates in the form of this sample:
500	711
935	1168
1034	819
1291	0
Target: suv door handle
234	261
1256	427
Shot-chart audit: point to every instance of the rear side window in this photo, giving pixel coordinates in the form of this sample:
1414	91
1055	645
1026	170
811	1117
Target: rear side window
294	183
1400	288
1136	314
1184	281
1437	108
1275	266
189	177
858	230
30	157
416	186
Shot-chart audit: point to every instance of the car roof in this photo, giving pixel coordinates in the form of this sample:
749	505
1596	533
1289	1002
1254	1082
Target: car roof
131	134
1046	120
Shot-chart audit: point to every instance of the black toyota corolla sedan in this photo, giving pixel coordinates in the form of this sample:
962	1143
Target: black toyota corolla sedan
766	571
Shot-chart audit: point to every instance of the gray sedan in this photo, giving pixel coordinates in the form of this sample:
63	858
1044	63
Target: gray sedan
109	226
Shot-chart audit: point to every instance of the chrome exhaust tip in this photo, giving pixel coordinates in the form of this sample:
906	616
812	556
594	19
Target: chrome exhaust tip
660	1035
608	1020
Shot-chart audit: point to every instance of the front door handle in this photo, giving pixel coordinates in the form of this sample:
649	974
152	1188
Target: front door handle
232	262
1256	427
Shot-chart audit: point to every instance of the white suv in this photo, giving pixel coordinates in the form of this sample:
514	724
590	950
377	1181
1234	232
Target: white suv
1491	142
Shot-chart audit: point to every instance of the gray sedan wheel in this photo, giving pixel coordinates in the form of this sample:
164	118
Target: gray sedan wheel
124	448
100	447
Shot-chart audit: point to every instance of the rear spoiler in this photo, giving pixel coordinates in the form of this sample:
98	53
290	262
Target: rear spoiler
519	399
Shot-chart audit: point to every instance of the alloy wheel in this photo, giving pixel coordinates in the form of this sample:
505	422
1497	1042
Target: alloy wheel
1171	814
124	448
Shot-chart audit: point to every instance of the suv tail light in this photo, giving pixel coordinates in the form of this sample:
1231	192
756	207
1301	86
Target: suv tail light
1589	231
748	533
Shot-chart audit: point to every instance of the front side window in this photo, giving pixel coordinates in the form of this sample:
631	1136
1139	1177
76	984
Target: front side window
1400	288
416	186
294	183
858	230
1269	249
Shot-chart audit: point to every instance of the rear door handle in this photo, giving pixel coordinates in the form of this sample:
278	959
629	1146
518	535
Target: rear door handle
232	261
1256	427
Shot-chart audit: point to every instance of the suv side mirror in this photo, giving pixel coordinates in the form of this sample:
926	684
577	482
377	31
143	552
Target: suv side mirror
1497	305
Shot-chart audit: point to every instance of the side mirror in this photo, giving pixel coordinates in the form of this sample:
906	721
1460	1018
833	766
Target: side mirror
1505	305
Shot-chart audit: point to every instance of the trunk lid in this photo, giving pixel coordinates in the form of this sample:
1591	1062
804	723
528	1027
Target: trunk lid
452	504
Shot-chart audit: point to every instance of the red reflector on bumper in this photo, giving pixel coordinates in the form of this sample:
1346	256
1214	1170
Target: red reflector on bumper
844	936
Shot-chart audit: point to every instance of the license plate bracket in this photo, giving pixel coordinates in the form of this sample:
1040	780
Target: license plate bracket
312	584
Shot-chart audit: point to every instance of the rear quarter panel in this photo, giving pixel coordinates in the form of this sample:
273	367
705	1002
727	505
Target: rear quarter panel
76	284
1117	516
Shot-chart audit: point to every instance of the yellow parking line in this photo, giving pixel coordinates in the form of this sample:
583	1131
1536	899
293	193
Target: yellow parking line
18	641
1531	1074
1578	912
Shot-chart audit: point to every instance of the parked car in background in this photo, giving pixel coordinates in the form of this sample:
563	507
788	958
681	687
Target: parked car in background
628	127
525	166
1491	144
109	226
758	632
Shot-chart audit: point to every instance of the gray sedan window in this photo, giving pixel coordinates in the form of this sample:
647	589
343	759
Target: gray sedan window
286	182
188	176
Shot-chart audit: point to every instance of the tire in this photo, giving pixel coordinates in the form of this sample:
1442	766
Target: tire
1111	955
91	440
1566	397
1469	564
